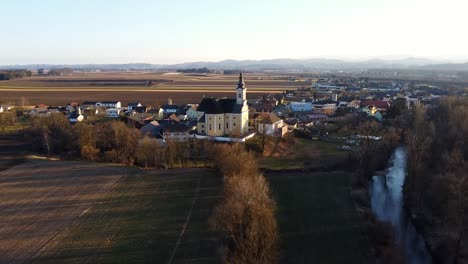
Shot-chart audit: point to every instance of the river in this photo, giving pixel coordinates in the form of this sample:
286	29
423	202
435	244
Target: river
387	205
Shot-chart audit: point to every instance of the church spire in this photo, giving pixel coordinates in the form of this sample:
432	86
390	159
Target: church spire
241	83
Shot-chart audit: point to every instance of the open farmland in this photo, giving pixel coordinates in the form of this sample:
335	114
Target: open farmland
81	212
152	98
317	219
40	198
145	87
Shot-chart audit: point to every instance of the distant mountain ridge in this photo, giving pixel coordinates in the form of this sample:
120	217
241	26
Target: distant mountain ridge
271	64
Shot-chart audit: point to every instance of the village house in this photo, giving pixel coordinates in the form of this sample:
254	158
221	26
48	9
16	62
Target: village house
109	104
270	124
177	132
113	112
224	117
325	109
381	105
191	112
157	113
88	105
152	129
71	106
170	109
76	116
132	106
300	106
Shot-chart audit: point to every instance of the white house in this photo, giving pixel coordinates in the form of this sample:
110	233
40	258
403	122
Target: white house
271	125
192	113
113	112
300	106
109	104
132	106
76	116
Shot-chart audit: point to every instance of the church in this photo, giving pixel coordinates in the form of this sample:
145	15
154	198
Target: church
224	116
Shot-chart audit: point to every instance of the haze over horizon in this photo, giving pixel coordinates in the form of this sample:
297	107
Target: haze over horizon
159	32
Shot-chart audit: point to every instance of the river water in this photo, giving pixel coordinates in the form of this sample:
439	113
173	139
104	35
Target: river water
387	205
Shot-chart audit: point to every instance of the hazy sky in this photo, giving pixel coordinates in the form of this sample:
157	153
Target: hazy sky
154	31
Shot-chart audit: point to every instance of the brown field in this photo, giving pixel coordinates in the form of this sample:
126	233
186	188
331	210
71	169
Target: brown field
40	198
152	98
130	87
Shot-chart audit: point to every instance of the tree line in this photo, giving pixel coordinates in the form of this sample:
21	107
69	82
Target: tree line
246	215
112	142
14	74
195	70
437	182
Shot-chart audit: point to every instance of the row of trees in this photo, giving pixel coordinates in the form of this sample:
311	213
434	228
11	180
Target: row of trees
246	215
195	70
112	142
437	182
14	74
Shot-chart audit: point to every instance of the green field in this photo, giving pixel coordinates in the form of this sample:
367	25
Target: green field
317	219
141	221
305	153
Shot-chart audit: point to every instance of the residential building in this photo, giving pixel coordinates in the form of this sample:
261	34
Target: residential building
153	129
157	113
76	116
191	112
270	124
325	109
381	105
109	104
132	106
113	112
177	132
300	106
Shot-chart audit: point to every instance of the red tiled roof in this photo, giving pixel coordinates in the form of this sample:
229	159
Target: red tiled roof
377	103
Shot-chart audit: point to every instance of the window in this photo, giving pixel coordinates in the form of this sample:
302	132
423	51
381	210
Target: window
219	125
234	117
239	95
210	126
202	126
227	125
234	124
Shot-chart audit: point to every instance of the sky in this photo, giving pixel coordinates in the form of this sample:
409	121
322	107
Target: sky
164	32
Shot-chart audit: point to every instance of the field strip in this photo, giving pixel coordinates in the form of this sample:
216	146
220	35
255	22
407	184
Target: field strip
195	198
41	198
70	89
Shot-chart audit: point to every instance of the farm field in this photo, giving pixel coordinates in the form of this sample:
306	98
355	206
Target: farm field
156	217
40	198
317	219
133	86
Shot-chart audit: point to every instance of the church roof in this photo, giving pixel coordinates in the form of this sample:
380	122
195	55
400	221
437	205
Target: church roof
219	106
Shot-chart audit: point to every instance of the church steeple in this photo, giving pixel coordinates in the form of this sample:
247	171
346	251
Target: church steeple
241	91
241	83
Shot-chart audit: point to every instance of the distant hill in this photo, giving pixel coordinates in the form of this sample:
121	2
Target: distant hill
320	64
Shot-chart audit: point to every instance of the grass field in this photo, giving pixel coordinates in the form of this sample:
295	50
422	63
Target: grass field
317	220
141	221
303	153
81	212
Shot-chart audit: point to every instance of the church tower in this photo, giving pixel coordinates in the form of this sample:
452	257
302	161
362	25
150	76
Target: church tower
241	91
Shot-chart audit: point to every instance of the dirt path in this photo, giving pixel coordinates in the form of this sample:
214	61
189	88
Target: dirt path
40	198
